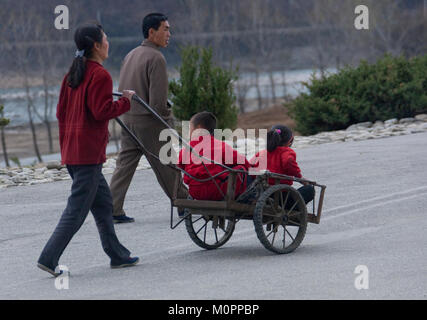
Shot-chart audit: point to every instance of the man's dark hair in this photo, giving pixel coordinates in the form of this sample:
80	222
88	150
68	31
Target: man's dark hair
205	120
152	20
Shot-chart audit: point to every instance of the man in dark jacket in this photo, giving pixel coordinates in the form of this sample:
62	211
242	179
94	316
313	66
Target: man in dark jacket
144	70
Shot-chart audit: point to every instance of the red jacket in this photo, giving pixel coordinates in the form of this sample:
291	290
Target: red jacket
282	160
83	114
218	151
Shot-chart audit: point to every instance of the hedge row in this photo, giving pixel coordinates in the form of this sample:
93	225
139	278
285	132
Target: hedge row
393	87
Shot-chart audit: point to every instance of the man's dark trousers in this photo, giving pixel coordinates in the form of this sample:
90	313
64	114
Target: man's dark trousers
89	191
148	132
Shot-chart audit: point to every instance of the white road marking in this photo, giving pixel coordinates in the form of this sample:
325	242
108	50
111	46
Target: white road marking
391	195
373	206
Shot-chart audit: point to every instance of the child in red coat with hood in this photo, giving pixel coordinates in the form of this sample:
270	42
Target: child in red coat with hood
282	159
202	127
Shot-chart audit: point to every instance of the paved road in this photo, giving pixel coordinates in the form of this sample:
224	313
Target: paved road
375	215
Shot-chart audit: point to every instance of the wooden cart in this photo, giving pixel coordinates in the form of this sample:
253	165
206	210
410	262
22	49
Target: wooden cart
279	213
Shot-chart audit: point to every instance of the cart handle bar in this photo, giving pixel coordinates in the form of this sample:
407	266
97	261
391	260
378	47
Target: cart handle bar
136	98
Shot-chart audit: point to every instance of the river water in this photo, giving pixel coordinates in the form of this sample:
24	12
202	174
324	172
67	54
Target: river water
15	101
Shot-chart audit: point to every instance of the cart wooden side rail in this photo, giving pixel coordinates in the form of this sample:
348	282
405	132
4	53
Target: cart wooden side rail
230	207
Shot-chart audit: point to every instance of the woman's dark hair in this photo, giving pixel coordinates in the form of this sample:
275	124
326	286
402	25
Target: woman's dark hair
85	37
153	20
278	136
205	120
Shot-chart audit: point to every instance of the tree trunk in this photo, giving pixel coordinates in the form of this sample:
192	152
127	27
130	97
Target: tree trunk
3	145
285	91
30	117
46	113
30	114
33	132
49	135
241	97
258	89
3	142
273	88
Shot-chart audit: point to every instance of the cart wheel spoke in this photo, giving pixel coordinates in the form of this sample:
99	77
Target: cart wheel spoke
202	227
214	235
198	219
284	236
286	200
294	223
288	234
292	208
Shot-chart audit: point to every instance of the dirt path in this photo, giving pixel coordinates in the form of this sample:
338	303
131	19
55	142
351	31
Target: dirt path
265	118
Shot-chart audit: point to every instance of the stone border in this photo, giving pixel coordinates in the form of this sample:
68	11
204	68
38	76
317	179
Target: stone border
53	171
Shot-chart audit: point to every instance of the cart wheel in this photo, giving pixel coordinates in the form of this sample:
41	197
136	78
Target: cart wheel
280	218
209	232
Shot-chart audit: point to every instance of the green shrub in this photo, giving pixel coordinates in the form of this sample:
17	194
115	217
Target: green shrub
394	87
203	87
3	121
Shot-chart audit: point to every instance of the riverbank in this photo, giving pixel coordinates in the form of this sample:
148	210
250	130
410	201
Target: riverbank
19	140
19	143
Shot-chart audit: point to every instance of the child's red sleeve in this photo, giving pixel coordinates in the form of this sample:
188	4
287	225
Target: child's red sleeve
254	161
289	164
238	159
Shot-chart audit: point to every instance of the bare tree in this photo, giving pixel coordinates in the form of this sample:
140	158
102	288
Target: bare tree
255	43
19	24
3	122
242	86
394	28
49	58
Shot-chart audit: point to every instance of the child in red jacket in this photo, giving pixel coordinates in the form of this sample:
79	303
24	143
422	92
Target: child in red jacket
282	159
202	127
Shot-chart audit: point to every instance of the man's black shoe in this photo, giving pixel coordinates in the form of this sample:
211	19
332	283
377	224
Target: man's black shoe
182	212
123	219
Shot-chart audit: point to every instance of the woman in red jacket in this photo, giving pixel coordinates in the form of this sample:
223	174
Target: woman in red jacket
282	159
85	106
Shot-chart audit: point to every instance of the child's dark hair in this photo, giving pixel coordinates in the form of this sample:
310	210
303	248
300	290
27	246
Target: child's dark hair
205	120
278	136
85	37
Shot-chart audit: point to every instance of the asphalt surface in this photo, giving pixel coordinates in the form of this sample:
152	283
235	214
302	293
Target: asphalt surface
374	215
